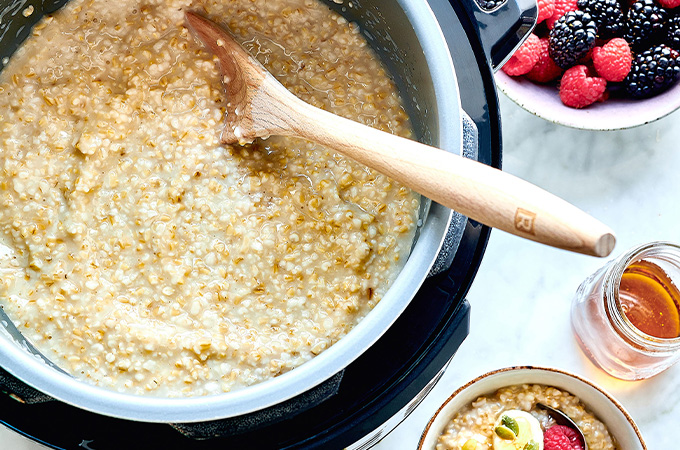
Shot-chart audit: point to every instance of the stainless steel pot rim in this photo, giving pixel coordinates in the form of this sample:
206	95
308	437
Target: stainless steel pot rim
36	373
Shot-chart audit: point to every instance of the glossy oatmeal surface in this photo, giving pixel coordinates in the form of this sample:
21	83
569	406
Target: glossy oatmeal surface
141	254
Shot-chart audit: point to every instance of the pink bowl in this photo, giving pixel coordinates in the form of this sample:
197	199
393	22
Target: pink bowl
613	114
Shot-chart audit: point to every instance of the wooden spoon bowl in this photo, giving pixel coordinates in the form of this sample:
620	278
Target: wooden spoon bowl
259	106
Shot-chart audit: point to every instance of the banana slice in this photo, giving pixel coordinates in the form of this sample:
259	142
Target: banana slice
517	430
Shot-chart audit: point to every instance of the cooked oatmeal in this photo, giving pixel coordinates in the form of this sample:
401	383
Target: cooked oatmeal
142	255
478	419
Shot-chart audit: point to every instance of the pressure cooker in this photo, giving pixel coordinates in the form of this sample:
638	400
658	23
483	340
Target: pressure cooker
442	55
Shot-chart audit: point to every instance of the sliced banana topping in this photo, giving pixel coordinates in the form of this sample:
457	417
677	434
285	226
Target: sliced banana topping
517	430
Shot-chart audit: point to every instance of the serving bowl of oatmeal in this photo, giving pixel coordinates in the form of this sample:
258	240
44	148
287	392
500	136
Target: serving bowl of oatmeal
474	412
173	278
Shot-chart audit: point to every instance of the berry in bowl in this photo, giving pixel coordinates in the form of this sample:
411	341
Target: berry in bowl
523	408
598	64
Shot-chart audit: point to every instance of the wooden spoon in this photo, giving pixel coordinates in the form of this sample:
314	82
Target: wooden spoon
259	106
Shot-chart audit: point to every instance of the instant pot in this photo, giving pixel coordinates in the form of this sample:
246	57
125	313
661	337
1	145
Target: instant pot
442	55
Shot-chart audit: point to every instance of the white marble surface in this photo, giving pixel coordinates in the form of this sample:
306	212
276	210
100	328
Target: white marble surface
522	294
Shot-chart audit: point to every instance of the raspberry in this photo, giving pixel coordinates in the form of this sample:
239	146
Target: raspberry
613	60
572	37
561	8
578	89
546	9
670	4
524	58
545	69
559	437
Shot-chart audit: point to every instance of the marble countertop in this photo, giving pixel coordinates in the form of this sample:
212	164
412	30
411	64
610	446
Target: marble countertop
522	294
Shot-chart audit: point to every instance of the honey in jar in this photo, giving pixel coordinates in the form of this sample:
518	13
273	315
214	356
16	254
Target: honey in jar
650	300
626	316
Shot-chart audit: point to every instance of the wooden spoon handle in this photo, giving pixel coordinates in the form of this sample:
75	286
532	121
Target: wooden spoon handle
480	192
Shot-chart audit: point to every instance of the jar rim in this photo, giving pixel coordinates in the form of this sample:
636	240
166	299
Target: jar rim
612	281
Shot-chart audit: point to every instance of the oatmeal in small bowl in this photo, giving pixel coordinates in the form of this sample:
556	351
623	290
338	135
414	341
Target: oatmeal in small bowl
501	410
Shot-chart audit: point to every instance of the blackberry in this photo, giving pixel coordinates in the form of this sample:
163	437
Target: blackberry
653	71
572	37
488	5
645	22
608	16
673	33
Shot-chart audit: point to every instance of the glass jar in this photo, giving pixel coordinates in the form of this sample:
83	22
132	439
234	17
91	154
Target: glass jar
601	313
